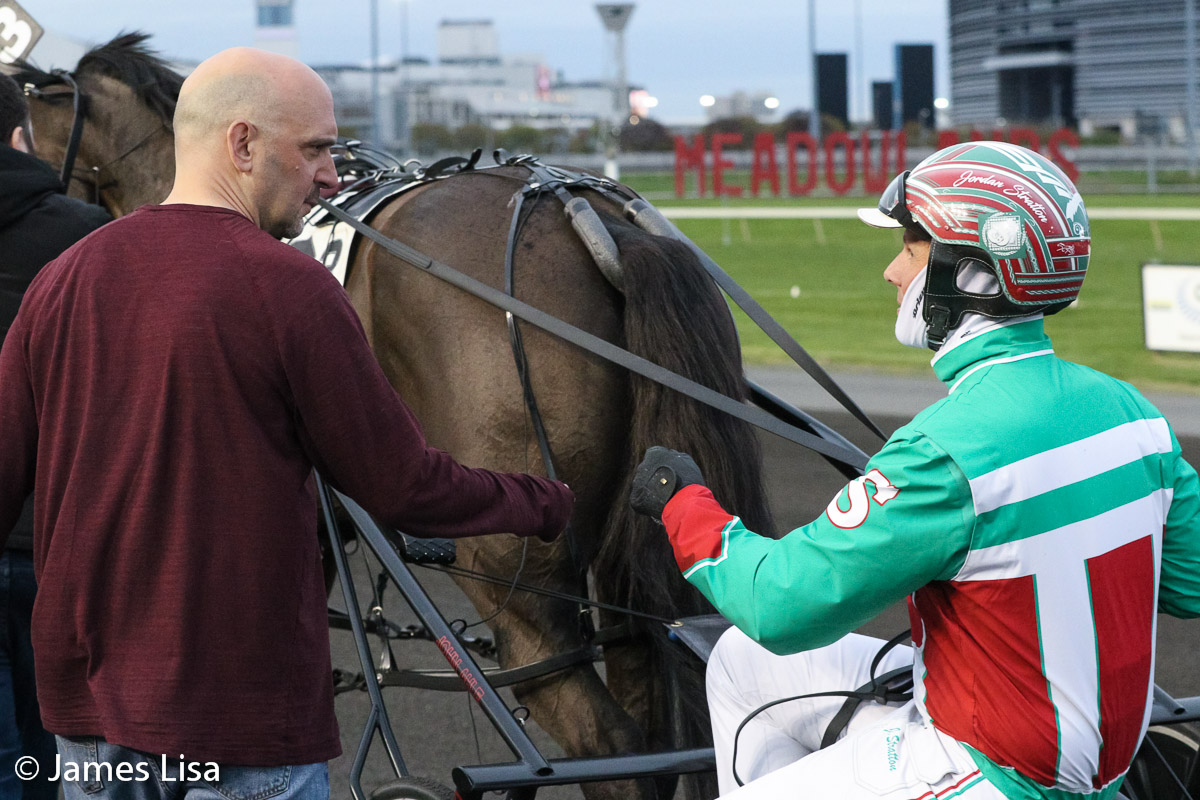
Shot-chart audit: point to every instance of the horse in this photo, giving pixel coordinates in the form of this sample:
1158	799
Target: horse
448	355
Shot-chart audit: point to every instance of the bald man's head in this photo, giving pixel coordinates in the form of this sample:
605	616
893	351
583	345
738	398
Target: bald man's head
243	83
252	132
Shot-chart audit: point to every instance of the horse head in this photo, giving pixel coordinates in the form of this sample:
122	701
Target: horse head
125	96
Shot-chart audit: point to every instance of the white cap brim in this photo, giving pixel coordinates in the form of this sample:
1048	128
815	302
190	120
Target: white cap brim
877	219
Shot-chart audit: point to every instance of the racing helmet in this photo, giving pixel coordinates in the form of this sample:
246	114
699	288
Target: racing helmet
996	206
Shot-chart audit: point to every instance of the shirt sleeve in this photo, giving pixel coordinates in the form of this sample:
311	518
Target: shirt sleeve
18	430
1179	589
368	443
907	522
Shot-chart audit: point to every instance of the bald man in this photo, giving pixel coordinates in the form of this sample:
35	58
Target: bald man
175	379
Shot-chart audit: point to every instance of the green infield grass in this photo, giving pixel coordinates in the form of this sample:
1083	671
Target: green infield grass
823	280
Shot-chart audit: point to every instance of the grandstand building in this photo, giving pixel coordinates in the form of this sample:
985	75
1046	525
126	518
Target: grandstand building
1098	64
469	81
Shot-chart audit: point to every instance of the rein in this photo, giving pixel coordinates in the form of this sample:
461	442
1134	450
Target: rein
79	104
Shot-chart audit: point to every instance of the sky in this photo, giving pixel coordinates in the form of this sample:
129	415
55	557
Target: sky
676	49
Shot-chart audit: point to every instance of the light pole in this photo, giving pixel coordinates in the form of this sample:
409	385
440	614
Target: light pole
861	101
814	117
404	118
375	74
1189	50
615	16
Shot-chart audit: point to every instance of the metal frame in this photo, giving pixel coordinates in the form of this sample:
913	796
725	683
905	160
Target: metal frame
531	770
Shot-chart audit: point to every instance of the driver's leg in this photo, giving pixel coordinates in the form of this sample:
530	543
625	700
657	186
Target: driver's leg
897	757
743	675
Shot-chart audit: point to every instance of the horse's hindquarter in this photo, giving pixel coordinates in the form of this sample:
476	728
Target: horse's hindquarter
448	353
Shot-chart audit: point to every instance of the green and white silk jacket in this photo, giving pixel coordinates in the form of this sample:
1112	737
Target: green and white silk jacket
1036	518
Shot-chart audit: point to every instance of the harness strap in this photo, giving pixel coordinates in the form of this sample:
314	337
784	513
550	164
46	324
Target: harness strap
879	689
599	347
79	111
587	627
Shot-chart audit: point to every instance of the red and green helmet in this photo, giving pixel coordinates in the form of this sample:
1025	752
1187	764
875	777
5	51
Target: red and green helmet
1004	206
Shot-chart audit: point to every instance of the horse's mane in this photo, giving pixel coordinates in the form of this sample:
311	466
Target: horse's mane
127	59
130	61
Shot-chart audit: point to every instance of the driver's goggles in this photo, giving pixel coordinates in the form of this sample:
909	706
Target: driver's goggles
894	204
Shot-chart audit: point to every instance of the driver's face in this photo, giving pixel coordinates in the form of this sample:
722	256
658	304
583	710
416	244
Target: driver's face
907	264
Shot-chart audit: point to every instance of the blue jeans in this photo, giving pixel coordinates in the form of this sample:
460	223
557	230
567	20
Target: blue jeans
93	769
21	731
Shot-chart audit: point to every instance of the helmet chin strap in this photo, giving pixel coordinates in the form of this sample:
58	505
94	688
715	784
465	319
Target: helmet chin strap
912	328
910	320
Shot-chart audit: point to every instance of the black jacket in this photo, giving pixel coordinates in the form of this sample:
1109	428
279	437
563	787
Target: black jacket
37	223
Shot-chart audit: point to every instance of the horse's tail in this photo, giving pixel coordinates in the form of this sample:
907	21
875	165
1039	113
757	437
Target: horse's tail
676	317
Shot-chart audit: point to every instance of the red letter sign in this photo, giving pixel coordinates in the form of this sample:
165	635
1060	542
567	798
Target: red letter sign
798	139
719	164
1064	136
686	158
879	180
764	166
832	142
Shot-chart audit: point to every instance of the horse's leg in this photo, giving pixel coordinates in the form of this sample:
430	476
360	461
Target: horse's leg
573	706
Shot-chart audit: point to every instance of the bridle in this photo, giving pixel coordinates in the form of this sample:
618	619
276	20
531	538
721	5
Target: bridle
79	104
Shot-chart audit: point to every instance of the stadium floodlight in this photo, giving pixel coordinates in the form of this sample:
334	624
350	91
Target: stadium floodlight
615	17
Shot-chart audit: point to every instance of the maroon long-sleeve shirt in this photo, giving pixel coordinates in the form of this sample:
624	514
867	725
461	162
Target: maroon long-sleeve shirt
174	378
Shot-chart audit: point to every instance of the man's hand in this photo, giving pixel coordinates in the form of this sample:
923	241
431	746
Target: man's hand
661	474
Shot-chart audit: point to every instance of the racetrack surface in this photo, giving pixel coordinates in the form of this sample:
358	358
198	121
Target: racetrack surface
437	731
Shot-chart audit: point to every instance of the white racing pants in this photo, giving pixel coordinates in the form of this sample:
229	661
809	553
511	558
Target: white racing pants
885	752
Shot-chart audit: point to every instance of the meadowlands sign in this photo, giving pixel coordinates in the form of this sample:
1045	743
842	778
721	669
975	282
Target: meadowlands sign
841	161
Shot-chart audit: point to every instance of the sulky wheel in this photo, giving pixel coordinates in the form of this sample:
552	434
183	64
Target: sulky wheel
411	788
1149	778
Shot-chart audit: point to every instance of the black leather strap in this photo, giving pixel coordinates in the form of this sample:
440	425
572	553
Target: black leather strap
79	111
879	689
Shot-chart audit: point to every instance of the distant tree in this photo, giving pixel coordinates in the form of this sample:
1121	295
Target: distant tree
746	126
468	137
520	139
831	124
647	134
795	121
555	140
585	140
429	138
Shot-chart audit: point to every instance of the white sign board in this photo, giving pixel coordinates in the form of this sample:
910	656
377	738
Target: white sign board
1171	307
19	32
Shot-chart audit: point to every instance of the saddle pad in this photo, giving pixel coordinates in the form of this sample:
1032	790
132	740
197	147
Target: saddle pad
699	634
328	243
331	242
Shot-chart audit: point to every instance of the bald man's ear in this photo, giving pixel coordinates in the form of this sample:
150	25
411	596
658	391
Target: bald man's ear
241	140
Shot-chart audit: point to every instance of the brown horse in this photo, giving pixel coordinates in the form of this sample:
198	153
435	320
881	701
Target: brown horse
448	354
